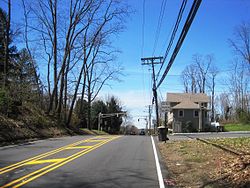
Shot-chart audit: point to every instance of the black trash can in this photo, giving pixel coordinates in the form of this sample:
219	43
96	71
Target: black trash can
162	133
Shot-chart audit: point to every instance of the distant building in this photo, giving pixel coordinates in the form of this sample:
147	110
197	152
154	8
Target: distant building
187	112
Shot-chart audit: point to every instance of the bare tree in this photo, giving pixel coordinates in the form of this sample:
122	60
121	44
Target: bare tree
33	63
75	36
202	66
97	54
189	79
225	104
241	42
213	72
7	41
238	85
195	75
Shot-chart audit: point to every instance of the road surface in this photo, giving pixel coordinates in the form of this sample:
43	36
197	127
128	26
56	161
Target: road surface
87	161
104	161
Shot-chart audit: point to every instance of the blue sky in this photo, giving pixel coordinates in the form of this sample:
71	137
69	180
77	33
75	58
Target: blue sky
212	27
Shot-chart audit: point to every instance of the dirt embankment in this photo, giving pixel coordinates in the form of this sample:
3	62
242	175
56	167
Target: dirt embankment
29	123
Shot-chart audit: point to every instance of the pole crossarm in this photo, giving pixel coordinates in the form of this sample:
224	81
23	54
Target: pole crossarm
150	60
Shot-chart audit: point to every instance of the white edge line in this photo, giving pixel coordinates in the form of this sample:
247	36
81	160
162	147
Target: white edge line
158	168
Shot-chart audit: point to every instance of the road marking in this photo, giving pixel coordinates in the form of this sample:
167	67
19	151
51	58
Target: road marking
56	163
95	140
25	180
158	168
79	147
22	163
45	161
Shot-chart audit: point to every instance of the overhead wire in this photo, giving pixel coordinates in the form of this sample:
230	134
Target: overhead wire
143	26
178	20
189	20
160	19
142	45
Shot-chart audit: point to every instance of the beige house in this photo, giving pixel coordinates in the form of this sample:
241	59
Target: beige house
188	112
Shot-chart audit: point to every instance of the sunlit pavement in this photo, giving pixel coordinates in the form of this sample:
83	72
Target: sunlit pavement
123	161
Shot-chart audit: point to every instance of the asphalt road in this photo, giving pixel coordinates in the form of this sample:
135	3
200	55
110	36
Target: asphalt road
126	161
87	161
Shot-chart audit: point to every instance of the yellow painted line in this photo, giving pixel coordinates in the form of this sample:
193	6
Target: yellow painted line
96	140
63	163
45	170
45	161
22	163
79	147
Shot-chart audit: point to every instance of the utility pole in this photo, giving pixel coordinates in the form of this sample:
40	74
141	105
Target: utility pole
149	118
152	61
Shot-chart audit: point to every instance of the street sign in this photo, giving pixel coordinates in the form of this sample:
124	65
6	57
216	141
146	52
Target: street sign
165	107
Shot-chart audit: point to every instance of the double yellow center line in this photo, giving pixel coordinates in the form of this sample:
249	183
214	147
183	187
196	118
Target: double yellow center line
55	163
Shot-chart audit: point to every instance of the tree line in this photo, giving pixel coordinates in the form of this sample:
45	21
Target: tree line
66	59
201	76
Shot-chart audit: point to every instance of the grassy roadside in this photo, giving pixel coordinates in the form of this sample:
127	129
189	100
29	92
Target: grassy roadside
196	164
236	127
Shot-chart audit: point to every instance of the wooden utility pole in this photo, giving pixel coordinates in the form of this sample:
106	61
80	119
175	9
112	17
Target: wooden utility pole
149	118
152	61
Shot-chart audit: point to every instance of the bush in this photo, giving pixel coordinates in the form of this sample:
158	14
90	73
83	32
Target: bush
189	128
243	116
6	103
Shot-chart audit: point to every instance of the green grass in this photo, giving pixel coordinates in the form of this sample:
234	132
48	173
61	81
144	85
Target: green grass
237	127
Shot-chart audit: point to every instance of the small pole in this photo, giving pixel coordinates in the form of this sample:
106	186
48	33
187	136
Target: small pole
99	121
200	118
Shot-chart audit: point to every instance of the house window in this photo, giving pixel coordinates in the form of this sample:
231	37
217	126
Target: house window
196	113
180	113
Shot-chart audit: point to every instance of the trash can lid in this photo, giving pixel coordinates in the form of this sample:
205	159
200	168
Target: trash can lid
162	127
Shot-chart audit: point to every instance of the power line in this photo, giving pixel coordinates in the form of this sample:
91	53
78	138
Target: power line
184	32
143	26
179	17
160	19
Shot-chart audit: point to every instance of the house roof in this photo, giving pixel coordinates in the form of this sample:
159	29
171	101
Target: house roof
192	97
186	105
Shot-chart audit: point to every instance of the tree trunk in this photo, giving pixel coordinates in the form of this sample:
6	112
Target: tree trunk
75	94
83	91
89	108
6	57
213	87
54	15
66	91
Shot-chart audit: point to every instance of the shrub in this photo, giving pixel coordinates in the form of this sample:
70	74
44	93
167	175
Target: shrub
188	127
5	102
243	116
